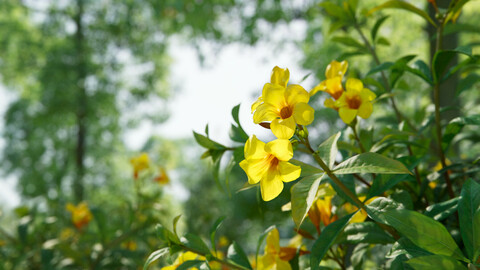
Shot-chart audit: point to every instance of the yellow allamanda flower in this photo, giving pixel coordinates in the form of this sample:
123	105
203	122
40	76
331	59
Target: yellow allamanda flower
357	100
321	211
361	215
333	84
268	164
162	178
183	257
140	163
284	106
81	215
272	259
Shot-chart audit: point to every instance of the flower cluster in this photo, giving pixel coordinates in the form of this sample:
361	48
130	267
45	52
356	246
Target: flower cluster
81	214
141	165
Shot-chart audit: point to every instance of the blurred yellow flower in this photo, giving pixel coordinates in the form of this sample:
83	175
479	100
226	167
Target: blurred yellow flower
183	257
321	211
223	242
162	178
139	164
267	164
285	106
81	215
361	215
66	234
271	260
357	100
333	84
130	245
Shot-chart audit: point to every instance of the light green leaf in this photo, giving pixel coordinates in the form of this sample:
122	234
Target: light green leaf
303	195
328	150
329	235
436	262
350	42
468	207
382	66
190	264
155	256
236	254
175	221
397	4
207	143
307	169
213	232
194	242
370	163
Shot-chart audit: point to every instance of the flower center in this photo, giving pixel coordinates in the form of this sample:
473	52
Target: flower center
354	102
286	112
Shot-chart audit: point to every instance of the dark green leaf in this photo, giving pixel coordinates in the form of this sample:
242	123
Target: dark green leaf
329	235
236	254
190	264
435	262
237	134
370	163
328	150
467	83
454	127
376	27
166	235
365	232
382	66
397	4
442	59
377	208
235	111
442	210
207	143
213	232
194	242
303	194
155	256
350	42
383	41
468	206
403	246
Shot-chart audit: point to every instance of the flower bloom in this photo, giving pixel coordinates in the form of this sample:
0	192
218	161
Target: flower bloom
273	258
81	215
357	100
268	164
163	178
361	215
183	257
139	164
321	211
333	84
285	106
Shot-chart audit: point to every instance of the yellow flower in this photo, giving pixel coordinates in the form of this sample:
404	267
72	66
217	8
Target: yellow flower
271	260
183	257
333	84
139	164
81	215
285	106
361	215
130	245
163	178
357	100
321	211
267	164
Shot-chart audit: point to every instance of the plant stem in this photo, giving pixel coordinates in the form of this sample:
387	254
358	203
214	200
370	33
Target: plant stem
438	125
357	138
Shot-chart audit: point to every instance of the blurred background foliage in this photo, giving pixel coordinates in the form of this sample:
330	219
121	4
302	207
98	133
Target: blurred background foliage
85	72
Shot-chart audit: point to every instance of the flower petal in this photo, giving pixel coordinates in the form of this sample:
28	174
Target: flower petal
354	85
336	68
265	112
330	103
365	110
367	94
295	94
273	241
283	128
271	186
256	103
320	87
254	148
282	265
280	148
280	76
303	113
288	171
255	169
274	95
334	87
347	114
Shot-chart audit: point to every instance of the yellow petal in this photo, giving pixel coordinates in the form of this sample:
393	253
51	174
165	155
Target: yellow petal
280	148
303	114
283	128
271	186
274	95
254	148
330	103
347	114
255	169
266	262
367	94
288	171
334	87
320	87
282	265
295	94
336	68
256	103
265	112
280	76
365	110
273	241
354	85
360	216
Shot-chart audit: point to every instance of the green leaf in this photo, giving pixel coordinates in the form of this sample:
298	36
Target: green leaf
399	68
403	246
365	232
376	27
260	241
402	5
303	194
307	169
166	235
323	243
455	125
333	10
235	111
436	262
382	66
213	232
468	207
383	41
207	143
467	83
370	163
442	210
377	208
350	42
155	256
190	264
236	254
423	231
175	221
237	134
455	9
442	59
328	150
194	242
421	70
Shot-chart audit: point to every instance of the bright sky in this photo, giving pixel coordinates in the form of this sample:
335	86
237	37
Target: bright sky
234	75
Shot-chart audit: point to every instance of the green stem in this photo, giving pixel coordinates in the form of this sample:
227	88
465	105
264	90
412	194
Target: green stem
357	138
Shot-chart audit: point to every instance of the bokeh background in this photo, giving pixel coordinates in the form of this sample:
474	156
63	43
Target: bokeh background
87	85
